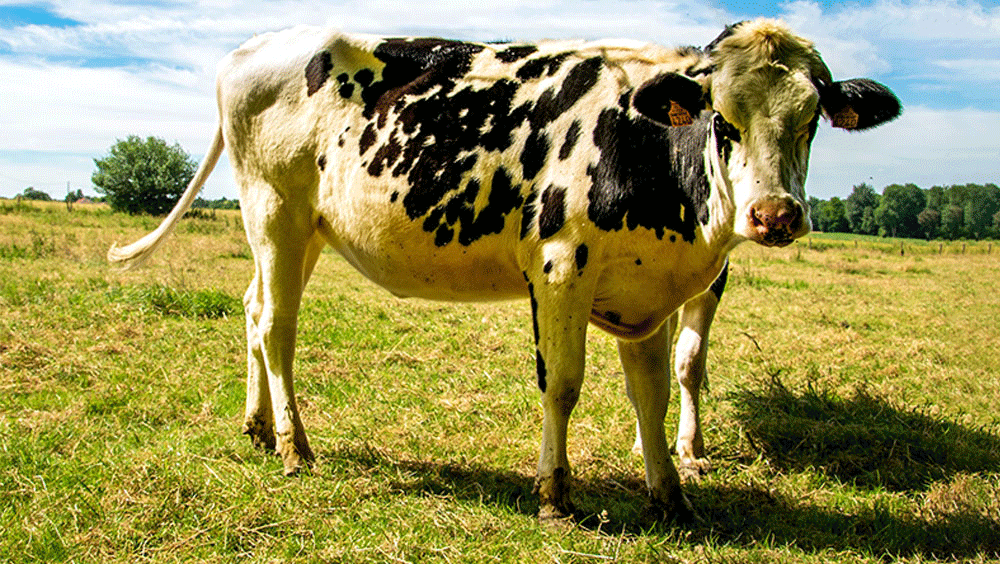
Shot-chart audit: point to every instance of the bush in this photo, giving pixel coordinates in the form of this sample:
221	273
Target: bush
143	176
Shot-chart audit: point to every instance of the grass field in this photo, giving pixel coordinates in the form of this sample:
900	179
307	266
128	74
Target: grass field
851	417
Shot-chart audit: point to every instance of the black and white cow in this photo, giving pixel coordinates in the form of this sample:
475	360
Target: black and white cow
605	181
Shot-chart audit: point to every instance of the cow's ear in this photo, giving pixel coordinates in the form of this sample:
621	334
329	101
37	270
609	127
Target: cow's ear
670	99
859	104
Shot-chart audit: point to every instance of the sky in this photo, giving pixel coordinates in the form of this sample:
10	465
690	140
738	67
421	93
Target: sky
78	75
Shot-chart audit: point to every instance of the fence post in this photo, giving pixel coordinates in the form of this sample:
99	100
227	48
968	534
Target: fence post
940	248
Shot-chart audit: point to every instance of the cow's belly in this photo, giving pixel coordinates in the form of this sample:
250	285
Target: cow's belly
397	254
634	298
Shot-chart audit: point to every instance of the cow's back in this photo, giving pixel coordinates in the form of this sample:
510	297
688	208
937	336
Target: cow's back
437	168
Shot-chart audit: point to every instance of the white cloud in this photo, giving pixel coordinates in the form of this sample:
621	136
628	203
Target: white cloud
976	70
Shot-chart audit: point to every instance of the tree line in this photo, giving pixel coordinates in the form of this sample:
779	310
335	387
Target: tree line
962	211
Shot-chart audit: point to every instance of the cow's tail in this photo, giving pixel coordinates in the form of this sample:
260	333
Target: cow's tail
134	255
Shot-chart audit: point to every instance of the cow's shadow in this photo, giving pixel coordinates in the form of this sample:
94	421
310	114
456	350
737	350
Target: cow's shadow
864	442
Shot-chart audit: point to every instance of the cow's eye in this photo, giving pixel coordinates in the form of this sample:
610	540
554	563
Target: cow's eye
725	129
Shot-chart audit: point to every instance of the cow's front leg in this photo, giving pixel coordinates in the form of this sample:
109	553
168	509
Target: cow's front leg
692	351
560	313
647	381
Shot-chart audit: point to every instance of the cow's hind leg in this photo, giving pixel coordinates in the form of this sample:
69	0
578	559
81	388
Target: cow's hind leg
692	350
258	423
286	246
647	381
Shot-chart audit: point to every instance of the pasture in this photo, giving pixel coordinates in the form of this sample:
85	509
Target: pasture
851	413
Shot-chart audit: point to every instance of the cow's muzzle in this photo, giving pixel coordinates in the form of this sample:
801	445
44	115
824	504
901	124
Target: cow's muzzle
776	222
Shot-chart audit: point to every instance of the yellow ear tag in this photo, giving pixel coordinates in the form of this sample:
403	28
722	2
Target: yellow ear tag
846	118
678	115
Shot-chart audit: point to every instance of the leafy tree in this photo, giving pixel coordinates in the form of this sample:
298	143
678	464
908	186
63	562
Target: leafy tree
983	202
861	204
815	208
930	222
832	218
72	197
898	210
143	175
868	224
953	222
31	194
937	199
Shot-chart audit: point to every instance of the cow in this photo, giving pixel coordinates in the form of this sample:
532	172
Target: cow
605	182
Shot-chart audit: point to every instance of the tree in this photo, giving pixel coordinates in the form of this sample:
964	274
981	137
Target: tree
31	194
868	224
832	218
897	212
937	198
930	222
861	204
815	209
953	222
72	196
143	176
983	202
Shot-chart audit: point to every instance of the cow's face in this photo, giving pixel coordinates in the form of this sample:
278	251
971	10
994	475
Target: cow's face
769	89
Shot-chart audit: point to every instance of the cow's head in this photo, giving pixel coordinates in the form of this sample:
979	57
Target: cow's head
769	88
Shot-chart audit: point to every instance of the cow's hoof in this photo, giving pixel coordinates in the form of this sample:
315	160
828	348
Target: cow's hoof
550	515
261	434
676	510
295	455
692	470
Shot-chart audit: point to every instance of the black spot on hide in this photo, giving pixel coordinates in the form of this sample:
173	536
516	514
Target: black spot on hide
582	253
528	213
516	53
321	162
318	71
720	281
536	148
364	77
572	136
579	80
542	371
633	185
535	68
553	214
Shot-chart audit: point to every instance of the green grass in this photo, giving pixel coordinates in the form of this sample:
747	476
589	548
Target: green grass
851	415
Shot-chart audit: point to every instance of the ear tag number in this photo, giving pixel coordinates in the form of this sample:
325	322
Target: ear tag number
678	115
846	118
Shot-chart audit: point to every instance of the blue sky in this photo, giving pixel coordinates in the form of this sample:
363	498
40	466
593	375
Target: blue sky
76	75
